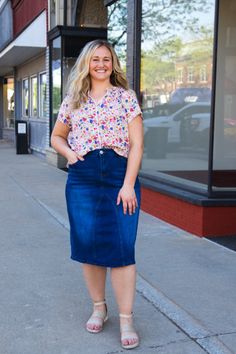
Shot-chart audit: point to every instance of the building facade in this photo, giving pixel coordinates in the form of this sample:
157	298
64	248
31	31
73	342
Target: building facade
179	57
23	48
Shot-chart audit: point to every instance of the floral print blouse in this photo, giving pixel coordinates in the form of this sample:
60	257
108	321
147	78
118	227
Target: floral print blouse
102	124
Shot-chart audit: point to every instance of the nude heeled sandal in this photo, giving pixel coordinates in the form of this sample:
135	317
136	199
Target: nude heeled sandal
98	318
128	333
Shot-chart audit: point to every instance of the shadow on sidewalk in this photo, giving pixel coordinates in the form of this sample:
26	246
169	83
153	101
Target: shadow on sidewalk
226	241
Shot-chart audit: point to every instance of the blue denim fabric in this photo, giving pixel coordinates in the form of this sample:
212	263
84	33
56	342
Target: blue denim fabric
100	233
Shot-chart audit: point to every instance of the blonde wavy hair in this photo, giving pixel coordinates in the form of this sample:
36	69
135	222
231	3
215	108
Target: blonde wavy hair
79	83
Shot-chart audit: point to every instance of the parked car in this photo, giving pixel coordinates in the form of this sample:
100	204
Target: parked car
200	125
179	124
190	95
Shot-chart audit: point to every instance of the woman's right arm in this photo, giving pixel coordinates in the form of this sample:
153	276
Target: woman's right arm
59	142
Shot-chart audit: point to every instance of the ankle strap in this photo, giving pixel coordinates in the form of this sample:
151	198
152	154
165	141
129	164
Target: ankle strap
122	315
98	303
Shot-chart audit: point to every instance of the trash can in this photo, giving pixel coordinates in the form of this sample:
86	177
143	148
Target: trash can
157	140
21	137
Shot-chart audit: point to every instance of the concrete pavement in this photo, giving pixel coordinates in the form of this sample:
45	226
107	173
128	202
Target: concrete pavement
186	288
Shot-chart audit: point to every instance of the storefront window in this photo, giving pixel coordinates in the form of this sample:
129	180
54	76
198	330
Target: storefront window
34	96
8	103
224	153
117	29
56	78
176	86
42	95
25	97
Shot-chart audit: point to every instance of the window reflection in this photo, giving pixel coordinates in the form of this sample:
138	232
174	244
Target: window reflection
176	80
25	97
117	29
9	103
56	78
34	96
43	95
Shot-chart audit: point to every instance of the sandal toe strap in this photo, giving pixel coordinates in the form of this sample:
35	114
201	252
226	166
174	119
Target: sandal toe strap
97	321
97	318
128	332
129	335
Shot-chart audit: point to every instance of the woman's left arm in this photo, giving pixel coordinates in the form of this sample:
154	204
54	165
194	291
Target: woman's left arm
127	192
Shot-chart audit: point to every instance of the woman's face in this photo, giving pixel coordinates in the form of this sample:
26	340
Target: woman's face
100	66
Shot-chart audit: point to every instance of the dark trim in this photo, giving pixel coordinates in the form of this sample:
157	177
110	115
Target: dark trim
223	194
16	103
62	64
74	12
186	196
1	107
50	91
65	13
137	45
77	31
213	98
109	2
175	184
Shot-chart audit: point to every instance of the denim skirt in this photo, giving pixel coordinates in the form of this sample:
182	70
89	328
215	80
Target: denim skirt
100	233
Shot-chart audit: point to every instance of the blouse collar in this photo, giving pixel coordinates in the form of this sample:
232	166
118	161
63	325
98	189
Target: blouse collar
107	90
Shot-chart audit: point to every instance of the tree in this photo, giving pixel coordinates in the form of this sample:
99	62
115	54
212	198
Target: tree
162	19
117	28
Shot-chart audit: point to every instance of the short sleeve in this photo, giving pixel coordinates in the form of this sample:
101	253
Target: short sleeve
64	114
131	105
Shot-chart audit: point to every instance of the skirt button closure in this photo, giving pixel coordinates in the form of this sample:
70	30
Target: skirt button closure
101	152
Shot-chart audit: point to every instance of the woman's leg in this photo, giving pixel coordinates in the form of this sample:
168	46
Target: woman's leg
123	282
95	278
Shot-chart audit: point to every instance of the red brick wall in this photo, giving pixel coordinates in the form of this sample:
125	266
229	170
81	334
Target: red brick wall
220	221
201	221
24	12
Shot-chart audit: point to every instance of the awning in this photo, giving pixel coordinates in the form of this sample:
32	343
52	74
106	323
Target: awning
28	44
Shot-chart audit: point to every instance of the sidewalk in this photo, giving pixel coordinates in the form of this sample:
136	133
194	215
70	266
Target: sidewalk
186	287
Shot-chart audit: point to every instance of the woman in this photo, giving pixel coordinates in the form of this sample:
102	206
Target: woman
99	131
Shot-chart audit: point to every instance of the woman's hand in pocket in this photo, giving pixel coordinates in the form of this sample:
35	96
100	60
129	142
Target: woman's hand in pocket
72	157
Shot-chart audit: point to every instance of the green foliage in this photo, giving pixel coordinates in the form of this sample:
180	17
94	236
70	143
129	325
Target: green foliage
172	32
162	18
117	29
